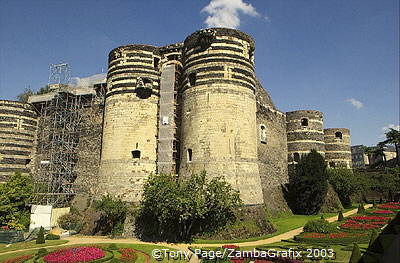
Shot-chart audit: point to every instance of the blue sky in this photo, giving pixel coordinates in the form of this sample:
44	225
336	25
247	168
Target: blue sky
340	56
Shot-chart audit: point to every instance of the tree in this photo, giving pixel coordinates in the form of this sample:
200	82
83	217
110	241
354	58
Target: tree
40	236
15	195
340	216
344	183
173	209
309	184
24	96
355	254
113	215
393	137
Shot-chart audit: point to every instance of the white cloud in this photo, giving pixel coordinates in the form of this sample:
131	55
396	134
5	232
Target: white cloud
356	103
89	81
225	13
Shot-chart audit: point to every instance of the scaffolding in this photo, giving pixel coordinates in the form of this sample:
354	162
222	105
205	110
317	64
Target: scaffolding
61	114
168	144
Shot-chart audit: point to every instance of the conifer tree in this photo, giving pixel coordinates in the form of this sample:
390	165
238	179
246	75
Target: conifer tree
40	236
340	216
355	254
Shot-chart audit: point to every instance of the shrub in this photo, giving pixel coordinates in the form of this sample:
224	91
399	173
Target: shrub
40	236
113	247
340	216
177	210
70	222
360	209
355	254
113	215
309	184
319	226
52	237
41	253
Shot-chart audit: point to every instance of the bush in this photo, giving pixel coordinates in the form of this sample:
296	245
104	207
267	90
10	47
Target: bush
52	237
113	215
40	236
113	247
332	238
41	253
319	226
177	210
340	216
70	222
355	254
345	185
309	184
360	209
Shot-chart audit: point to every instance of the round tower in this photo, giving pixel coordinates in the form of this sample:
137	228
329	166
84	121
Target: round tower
337	148
18	125
129	144
304	132
218	127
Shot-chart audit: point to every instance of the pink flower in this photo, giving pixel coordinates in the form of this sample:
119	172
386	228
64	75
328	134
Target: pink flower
74	255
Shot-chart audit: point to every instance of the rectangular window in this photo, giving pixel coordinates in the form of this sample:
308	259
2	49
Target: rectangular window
189	155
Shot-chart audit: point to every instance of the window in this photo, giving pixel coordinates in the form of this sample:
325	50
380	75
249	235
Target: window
189	155
304	122
27	161
136	154
263	133
332	164
296	157
165	120
156	61
192	78
338	135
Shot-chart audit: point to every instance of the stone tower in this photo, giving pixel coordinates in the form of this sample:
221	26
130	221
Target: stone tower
218	127
337	147
304	132
129	144
18	122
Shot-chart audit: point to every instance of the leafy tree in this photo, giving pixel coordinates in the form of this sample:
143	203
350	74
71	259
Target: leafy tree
24	96
40	236
344	183
174	209
355	254
309	184
15	195
393	137
113	215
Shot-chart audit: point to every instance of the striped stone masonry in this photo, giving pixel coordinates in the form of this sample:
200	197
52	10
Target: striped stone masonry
337	146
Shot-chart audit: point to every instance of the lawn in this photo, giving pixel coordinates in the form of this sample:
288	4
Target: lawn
30	244
283	224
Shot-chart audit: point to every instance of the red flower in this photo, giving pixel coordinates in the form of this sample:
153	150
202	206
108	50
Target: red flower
5	228
127	255
230	246
383	212
74	255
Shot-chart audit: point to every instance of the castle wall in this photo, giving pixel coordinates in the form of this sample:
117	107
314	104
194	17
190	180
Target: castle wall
129	150
337	147
304	133
218	110
18	126
272	152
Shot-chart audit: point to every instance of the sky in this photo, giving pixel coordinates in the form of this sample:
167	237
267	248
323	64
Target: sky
340	57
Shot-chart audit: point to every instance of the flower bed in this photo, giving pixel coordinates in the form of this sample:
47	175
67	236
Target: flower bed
390	206
370	218
18	259
128	255
361	226
74	255
332	238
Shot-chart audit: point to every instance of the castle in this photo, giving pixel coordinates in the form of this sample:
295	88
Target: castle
177	109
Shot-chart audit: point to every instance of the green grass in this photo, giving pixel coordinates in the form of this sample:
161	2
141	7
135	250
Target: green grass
283	223
141	247
30	244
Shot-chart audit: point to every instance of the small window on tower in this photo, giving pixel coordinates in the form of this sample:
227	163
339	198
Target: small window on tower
296	157
189	155
338	135
263	133
304	122
192	78
156	61
136	154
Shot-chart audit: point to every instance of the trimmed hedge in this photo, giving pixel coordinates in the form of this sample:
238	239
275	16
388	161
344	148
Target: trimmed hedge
52	237
319	226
